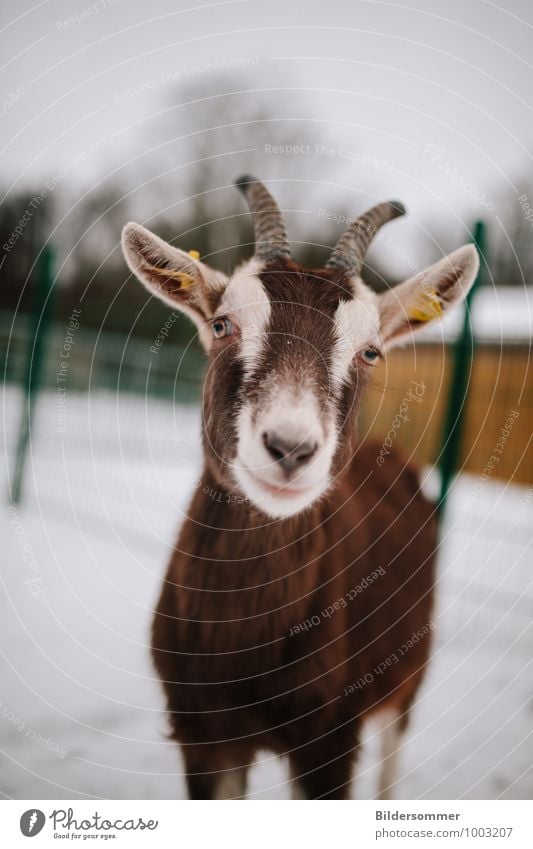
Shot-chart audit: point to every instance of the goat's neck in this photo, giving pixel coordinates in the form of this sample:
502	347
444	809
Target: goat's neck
240	560
227	514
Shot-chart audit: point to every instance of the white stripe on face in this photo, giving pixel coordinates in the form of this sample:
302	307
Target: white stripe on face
356	325
246	300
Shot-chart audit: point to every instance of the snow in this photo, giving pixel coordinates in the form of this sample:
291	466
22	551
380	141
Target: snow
81	713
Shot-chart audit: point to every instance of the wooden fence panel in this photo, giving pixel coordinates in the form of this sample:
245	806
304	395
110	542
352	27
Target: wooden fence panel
406	406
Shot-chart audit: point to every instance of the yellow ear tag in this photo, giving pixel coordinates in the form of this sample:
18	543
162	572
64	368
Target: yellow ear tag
194	254
427	308
185	279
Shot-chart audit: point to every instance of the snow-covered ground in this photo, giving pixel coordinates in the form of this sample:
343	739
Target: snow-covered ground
83	555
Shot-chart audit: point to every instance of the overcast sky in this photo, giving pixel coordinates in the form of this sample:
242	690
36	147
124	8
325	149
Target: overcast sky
430	102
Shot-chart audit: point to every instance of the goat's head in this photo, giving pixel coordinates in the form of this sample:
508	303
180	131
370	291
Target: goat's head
290	350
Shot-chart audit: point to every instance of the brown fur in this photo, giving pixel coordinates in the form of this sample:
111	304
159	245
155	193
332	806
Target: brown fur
238	680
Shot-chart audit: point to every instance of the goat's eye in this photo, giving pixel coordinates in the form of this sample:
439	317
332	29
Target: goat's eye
222	327
369	356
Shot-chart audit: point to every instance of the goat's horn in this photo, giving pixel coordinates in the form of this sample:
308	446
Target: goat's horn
352	246
270	236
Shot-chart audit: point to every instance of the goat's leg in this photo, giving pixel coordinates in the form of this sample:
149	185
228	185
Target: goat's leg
394	724
323	769
231	783
201	785
226	784
327	781
213	774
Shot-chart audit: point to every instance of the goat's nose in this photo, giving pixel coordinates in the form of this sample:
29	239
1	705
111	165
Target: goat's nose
288	453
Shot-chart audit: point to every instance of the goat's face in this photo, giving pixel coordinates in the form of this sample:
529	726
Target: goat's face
290	350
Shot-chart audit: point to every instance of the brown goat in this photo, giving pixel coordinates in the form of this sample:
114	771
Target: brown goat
298	599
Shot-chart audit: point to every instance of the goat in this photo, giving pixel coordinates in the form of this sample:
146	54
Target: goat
298	599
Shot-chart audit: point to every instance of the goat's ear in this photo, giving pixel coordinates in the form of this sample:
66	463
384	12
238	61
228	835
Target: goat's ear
427	296
176	277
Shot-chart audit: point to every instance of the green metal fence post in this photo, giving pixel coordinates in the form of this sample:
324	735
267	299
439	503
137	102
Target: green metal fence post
461	365
42	310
